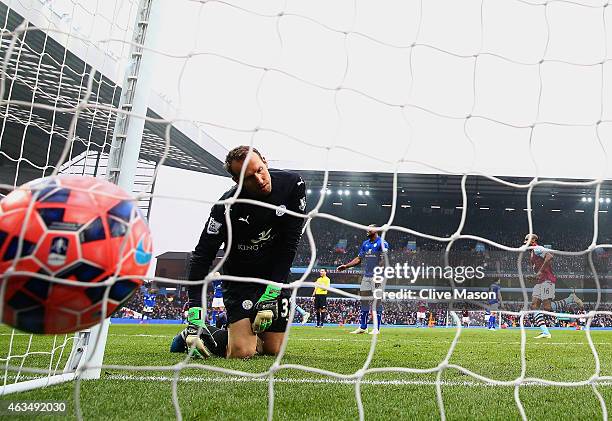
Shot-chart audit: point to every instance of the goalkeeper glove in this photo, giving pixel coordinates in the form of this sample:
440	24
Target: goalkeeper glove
267	309
194	343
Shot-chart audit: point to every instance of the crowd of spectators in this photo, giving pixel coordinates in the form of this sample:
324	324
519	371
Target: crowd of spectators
346	311
567	231
166	307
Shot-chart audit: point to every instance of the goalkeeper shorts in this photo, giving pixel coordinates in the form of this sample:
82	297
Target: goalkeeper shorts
240	303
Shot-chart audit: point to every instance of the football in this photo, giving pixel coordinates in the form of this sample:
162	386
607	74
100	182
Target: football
59	239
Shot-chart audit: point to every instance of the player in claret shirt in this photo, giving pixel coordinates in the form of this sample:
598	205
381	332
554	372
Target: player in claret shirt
543	294
421	316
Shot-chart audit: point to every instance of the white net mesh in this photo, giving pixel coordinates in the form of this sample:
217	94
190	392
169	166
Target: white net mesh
442	83
43	117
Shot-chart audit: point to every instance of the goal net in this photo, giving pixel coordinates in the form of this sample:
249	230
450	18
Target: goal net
59	84
497	91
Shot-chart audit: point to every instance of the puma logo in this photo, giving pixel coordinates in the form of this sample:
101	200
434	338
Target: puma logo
300	182
245	219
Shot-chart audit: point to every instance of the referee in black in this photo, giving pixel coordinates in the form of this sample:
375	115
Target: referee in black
320	297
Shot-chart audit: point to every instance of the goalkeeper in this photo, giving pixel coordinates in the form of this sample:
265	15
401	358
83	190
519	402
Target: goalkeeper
264	243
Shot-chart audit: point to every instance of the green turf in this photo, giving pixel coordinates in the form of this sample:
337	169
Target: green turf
302	395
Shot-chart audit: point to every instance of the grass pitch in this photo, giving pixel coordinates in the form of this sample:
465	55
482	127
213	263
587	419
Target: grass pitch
205	395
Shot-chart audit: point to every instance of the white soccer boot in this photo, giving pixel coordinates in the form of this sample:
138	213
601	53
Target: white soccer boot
574	299
359	331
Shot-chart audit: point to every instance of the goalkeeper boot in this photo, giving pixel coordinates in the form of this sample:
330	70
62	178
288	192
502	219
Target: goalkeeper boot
305	318
543	335
195	345
266	309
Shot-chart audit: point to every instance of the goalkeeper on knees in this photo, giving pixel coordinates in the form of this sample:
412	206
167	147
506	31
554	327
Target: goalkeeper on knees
263	245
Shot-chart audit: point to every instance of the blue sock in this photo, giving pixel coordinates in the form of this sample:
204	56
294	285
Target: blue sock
545	329
379	317
492	322
363	318
214	317
300	310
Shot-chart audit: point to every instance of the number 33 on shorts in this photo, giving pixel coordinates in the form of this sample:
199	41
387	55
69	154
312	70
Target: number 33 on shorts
284	307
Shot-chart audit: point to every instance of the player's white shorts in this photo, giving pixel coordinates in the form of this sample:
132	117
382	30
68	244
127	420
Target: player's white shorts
420	315
368	284
465	320
217	302
544	291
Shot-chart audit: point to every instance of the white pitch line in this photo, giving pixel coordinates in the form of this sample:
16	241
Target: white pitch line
349	339
235	379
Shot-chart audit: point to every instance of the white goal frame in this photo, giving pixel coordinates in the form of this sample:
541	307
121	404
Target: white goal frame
88	346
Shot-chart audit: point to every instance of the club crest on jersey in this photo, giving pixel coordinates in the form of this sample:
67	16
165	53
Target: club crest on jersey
213	226
58	251
247	304
302	204
281	210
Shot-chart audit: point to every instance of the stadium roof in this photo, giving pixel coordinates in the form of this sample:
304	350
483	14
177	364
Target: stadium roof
441	186
39	65
43	74
173	255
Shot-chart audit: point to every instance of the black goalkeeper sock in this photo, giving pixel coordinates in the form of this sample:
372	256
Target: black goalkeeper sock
195	295
318	317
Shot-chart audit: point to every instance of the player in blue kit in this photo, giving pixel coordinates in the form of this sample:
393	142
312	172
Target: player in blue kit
494	304
218	306
371	254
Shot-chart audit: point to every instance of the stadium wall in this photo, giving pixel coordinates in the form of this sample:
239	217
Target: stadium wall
176	224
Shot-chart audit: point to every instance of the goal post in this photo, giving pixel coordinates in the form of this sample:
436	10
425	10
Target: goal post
125	152
86	354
